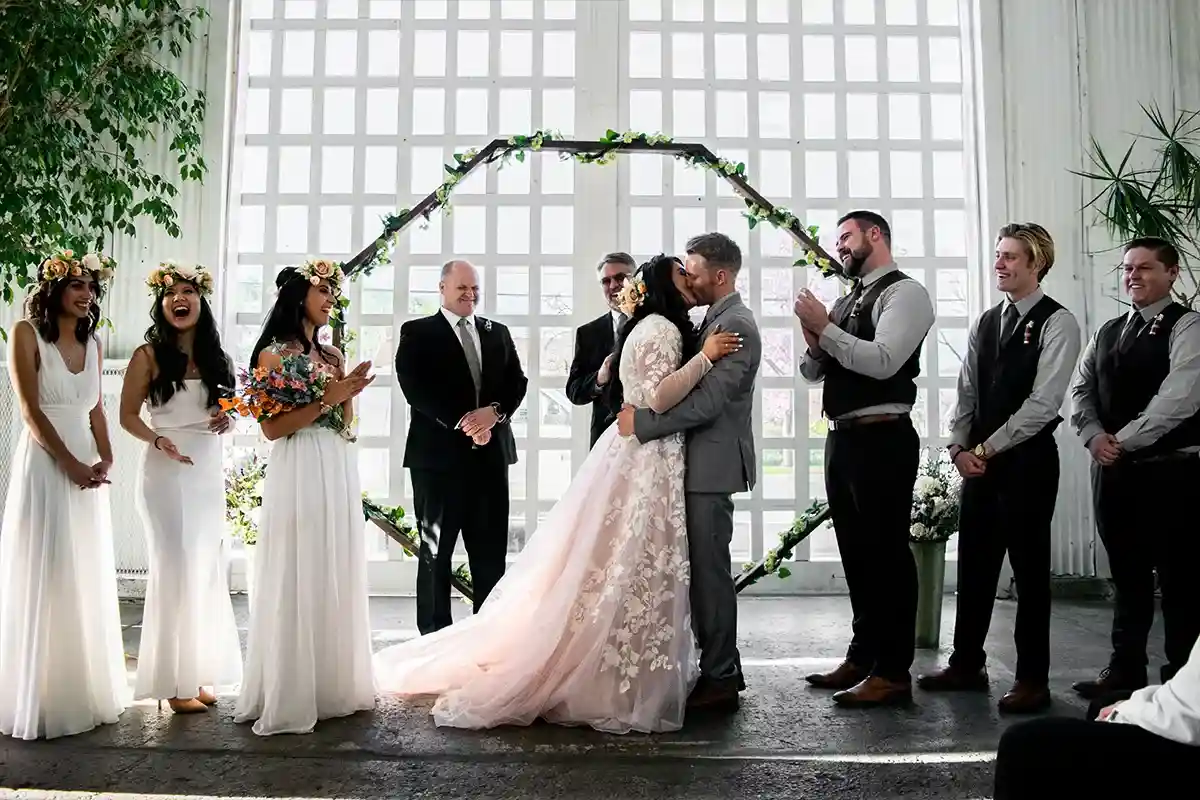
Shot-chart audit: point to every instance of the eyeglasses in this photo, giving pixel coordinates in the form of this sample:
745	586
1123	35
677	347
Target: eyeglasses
610	279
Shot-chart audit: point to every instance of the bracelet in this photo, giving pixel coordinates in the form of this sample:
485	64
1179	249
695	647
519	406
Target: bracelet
156	438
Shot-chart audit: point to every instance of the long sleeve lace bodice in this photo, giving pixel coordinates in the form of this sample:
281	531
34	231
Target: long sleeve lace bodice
650	366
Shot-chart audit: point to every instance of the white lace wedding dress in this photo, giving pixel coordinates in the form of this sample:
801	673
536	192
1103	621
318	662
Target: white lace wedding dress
591	625
62	666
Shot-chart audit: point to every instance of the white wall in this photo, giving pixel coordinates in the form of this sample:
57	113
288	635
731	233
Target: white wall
1054	74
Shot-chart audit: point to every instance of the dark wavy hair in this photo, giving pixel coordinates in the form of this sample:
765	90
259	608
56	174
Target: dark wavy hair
215	365
44	305
662	298
285	320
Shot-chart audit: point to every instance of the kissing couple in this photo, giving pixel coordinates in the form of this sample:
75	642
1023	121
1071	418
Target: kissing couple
621	612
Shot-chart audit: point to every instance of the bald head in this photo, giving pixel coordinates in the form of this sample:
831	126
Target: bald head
459	287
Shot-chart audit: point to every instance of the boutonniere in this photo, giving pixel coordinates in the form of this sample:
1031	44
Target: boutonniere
857	307
487	324
1154	325
1029	332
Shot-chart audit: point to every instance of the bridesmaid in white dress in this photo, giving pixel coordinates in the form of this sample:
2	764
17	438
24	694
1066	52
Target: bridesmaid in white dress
189	635
308	654
62	669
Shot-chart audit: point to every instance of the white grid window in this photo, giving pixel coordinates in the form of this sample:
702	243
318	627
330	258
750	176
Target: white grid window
832	106
349	109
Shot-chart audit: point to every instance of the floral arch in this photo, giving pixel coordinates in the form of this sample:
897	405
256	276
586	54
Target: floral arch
604	151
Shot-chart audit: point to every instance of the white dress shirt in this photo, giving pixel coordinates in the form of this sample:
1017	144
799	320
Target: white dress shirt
1172	710
453	319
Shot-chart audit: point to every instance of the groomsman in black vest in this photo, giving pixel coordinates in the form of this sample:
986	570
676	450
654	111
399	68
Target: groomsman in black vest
868	353
1020	356
592	367
1137	408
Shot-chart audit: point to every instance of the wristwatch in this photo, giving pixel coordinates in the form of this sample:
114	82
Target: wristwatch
500	415
981	452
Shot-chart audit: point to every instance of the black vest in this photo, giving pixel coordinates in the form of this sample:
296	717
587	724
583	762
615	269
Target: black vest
1128	378
847	391
1006	371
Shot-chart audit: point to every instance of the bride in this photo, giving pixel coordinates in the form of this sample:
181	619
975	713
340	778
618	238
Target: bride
591	625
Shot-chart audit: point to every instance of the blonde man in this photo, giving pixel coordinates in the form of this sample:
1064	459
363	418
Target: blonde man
1020	356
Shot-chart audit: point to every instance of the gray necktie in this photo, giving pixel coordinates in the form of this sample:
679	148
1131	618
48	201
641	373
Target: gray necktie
1009	323
468	345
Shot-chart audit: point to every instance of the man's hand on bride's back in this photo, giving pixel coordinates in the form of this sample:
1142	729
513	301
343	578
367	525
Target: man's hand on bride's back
625	420
720	344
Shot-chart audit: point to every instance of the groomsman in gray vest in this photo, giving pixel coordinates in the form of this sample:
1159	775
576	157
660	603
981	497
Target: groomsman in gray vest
1020	356
1137	408
868	353
721	462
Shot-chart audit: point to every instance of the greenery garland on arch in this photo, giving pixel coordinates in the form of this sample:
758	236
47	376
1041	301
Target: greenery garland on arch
604	151
759	210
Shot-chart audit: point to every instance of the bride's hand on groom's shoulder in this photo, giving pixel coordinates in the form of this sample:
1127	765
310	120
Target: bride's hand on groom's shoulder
625	420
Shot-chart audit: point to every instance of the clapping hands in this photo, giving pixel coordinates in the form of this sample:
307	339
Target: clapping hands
812	315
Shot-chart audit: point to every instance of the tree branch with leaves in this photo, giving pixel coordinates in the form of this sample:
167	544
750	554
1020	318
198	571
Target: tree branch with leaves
82	92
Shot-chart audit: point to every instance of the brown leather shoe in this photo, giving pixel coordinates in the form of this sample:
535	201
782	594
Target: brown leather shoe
844	677
954	679
714	697
1025	698
1110	680
875	691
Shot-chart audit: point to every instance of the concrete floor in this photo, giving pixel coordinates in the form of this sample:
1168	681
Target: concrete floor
788	740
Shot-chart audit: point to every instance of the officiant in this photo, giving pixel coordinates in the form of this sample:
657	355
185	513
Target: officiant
592	368
867	351
1137	409
1020	356
463	381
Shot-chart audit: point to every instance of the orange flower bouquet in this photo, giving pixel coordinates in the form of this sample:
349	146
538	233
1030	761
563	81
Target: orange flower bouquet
295	383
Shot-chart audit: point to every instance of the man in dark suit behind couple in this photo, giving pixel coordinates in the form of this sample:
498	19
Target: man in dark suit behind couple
463	381
591	368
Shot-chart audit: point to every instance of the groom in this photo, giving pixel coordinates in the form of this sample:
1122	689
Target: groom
720	463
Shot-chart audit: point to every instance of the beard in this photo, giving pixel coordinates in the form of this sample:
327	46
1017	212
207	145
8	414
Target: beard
853	266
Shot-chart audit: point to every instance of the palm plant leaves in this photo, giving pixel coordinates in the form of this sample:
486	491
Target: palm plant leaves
1162	200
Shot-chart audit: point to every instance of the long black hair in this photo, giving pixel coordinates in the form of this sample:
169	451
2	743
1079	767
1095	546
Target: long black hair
662	298
285	320
45	304
214	364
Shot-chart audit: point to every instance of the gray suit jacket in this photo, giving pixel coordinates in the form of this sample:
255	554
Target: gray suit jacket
717	413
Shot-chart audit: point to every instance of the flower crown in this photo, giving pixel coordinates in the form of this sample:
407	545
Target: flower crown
632	295
169	272
316	270
64	264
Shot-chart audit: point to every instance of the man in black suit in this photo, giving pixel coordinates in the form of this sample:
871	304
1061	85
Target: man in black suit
462	378
591	369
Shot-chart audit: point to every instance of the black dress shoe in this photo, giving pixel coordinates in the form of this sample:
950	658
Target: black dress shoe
954	679
1110	680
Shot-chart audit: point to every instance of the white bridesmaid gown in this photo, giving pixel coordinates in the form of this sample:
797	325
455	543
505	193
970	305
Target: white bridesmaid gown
62	667
308	654
189	635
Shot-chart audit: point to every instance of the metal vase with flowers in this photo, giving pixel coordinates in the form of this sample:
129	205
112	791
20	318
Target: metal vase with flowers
934	521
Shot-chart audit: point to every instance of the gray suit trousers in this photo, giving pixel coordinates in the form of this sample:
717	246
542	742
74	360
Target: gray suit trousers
713	596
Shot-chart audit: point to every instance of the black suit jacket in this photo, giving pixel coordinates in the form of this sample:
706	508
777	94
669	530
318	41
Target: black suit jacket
433	374
593	342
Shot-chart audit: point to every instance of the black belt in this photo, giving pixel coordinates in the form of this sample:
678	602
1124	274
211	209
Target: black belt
869	419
